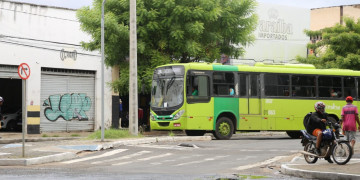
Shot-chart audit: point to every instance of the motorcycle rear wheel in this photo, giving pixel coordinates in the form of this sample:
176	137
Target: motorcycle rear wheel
309	147
342	153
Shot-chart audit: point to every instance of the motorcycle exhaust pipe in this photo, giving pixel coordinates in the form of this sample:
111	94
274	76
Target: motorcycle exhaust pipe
311	154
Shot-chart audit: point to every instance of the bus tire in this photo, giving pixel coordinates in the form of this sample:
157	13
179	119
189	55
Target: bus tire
224	129
294	134
332	120
195	132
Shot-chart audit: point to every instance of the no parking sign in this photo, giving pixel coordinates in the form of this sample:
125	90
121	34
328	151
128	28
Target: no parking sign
24	71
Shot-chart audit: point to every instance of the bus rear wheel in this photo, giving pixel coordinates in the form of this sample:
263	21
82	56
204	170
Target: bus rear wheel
194	132
224	129
294	134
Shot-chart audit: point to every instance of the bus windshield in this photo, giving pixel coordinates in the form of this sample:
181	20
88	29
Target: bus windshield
167	87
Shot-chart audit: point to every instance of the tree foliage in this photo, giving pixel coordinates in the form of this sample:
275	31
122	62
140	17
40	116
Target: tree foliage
338	48
169	31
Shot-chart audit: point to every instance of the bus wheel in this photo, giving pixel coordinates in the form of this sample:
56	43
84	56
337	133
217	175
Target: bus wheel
294	134
195	132
224	128
332	120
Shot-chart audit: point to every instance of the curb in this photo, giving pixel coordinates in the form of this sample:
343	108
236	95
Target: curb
37	160
71	155
285	169
8	141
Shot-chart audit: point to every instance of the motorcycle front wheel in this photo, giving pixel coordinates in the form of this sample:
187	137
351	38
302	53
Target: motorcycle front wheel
342	153
309	147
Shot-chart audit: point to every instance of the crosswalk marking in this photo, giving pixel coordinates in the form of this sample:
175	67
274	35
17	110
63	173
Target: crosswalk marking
95	157
260	163
123	157
201	161
163	146
143	159
176	159
246	158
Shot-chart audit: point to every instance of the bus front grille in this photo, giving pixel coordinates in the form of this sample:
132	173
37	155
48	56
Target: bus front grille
163	123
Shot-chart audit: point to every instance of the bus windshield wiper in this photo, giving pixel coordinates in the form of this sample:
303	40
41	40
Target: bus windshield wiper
170	83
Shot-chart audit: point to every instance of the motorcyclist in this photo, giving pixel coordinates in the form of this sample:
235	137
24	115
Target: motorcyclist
317	126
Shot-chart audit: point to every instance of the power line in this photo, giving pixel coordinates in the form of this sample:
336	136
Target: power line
41	15
39	40
27	45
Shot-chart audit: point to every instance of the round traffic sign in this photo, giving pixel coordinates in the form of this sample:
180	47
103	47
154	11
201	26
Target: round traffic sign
24	71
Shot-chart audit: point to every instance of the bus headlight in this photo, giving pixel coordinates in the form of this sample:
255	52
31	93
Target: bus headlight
152	117
179	114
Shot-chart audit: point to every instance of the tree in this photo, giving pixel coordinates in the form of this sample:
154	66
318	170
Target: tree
169	31
338	48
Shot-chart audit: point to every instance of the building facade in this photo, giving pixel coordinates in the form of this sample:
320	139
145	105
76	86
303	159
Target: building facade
63	89
279	36
330	16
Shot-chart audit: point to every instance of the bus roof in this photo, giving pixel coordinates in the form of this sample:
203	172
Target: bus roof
269	67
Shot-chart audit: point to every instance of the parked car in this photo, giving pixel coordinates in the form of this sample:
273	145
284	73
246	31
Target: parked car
12	122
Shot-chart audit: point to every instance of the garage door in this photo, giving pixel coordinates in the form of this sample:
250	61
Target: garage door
8	71
68	100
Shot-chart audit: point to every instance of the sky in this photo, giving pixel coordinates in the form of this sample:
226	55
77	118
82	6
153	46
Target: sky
308	4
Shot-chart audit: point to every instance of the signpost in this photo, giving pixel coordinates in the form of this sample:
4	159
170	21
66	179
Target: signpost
24	74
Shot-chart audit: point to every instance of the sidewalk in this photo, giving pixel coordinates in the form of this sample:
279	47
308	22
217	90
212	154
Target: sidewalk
322	169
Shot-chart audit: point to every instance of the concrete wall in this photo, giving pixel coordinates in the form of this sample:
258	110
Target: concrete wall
37	35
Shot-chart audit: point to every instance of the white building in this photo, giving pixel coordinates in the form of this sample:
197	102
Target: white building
63	91
279	34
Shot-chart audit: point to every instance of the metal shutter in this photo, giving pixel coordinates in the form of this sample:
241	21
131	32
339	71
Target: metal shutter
9	71
67	100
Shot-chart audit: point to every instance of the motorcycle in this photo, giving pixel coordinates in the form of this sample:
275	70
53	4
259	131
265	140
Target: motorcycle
339	149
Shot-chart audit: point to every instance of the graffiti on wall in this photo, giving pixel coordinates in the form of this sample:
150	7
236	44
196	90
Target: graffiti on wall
67	106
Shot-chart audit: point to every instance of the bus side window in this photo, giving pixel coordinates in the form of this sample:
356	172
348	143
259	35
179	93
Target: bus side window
198	88
242	84
222	83
349	87
303	86
330	87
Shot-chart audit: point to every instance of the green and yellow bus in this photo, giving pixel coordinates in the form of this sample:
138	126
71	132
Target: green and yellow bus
223	99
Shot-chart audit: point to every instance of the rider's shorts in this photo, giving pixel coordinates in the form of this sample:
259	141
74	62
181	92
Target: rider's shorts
316	132
350	135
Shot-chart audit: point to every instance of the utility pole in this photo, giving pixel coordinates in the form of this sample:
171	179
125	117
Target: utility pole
133	88
102	72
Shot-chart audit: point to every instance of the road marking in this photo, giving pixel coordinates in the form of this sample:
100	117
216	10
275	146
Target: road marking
201	161
246	158
164	146
123	157
267	150
143	159
260	163
176	159
95	157
14	145
1	154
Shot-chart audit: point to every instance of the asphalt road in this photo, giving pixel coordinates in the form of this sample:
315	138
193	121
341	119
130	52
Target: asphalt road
229	159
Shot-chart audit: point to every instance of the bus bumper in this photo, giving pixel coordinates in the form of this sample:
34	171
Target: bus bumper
167	125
